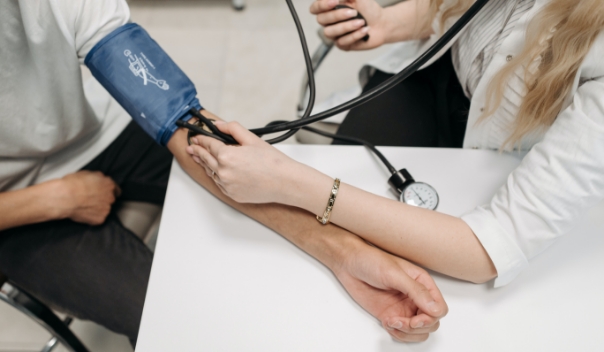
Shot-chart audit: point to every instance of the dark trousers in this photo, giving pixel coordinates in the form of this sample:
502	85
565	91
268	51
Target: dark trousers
97	273
429	109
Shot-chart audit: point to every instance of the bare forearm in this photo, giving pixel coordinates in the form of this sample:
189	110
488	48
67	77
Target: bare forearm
437	241
28	206
327	244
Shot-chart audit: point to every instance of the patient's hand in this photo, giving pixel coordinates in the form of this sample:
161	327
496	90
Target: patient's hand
401	295
86	197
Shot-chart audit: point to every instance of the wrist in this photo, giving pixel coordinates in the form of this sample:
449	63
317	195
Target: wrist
59	203
311	191
402	21
340	247
299	186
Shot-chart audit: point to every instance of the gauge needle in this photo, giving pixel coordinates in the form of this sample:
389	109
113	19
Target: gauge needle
420	198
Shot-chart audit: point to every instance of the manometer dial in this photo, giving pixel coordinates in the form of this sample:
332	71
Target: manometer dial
421	195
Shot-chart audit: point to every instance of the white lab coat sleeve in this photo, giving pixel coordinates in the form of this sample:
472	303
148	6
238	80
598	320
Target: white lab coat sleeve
558	181
86	22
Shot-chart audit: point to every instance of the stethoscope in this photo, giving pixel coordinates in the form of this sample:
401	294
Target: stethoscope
410	192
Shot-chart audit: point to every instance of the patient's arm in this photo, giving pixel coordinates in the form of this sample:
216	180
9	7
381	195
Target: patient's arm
393	290
84	196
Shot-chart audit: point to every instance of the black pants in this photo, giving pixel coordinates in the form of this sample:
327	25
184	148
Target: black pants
96	273
429	109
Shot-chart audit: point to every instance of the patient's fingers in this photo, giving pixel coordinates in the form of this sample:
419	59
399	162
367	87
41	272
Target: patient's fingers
405	326
404	337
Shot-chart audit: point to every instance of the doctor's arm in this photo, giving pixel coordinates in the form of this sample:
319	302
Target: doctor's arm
256	172
389	288
557	181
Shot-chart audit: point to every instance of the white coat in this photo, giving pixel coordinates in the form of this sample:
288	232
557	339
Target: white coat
562	174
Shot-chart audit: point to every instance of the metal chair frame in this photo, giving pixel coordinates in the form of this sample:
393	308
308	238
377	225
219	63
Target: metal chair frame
41	314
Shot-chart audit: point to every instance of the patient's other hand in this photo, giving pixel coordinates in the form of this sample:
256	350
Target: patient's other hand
401	295
86	197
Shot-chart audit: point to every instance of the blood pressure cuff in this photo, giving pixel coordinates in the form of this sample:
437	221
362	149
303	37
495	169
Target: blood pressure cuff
143	79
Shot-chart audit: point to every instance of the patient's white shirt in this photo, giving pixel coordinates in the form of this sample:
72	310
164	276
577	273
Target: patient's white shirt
50	124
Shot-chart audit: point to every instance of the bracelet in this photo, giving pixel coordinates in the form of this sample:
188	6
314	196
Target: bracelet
330	203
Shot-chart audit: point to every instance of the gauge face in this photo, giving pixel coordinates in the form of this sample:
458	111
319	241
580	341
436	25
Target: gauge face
421	195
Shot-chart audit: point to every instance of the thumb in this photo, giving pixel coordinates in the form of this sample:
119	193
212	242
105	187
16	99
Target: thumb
240	133
421	296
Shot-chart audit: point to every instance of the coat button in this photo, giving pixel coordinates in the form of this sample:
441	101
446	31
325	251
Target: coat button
509	58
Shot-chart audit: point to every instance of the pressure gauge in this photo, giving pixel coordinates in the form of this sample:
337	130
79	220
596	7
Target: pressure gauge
418	194
421	195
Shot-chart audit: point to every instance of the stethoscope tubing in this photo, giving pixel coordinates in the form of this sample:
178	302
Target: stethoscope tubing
305	120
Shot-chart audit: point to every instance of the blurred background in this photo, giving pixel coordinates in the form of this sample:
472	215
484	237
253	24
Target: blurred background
247	66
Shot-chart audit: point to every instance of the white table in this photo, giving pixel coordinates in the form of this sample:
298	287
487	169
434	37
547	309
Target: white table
222	282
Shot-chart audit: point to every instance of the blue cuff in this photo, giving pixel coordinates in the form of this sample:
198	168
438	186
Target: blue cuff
144	80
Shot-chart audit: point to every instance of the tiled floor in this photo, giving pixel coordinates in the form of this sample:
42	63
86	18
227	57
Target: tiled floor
247	66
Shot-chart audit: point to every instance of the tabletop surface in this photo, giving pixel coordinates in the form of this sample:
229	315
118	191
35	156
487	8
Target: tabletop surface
222	282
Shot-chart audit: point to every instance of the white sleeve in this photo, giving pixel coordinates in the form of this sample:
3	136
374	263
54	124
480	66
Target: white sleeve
86	22
556	183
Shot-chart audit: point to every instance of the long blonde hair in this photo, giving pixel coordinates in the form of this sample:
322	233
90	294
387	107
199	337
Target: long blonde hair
557	41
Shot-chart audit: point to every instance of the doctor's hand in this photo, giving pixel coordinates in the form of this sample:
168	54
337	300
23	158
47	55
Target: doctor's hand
346	33
402	296
253	172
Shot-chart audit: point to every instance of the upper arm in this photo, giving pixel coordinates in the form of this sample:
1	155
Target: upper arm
557	182
89	21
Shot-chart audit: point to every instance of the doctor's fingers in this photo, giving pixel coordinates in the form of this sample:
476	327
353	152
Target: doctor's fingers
348	41
203	155
212	145
335	16
320	6
342	29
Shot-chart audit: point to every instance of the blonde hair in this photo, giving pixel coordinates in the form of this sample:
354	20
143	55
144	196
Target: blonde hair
557	41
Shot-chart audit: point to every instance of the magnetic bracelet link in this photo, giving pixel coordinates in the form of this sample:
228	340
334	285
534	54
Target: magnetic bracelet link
330	203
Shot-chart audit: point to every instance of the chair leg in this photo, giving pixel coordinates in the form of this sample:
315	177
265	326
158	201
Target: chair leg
54	341
238	5
43	316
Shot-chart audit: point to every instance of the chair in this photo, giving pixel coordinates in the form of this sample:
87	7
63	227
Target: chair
140	218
